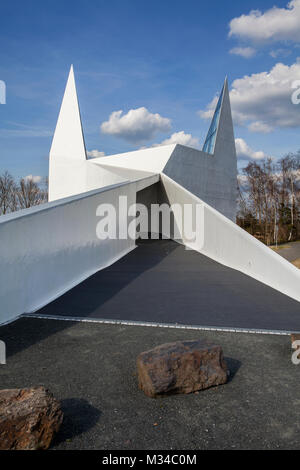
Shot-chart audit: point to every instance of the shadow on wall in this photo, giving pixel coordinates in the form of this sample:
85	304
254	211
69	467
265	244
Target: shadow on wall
82	300
156	194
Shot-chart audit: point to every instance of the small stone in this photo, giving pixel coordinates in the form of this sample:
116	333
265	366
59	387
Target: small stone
181	367
29	418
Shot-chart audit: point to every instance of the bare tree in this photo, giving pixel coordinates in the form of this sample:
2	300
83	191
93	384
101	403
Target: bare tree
29	194
8	190
269	203
23	195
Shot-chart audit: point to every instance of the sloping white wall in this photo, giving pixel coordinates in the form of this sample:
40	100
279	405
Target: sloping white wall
48	249
225	242
78	177
152	159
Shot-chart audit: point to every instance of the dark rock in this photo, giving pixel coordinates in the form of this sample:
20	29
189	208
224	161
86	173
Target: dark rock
181	367
29	418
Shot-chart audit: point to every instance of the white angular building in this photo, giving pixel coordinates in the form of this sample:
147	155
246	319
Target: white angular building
209	174
45	251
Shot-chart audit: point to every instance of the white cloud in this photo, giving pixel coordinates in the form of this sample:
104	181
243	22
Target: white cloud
244	152
210	108
178	138
280	53
245	52
262	101
181	138
95	153
138	125
258	126
275	24
242	181
35	179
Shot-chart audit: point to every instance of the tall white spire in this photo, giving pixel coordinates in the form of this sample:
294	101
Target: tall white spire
67	159
68	141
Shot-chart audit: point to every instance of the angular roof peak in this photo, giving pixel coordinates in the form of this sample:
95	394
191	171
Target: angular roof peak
68	140
209	144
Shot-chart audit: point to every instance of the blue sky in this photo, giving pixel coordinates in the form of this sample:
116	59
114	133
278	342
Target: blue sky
169	57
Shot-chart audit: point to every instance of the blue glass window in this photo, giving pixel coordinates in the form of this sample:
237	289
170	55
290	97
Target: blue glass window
210	140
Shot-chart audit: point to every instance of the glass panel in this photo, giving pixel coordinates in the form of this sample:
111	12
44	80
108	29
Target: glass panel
209	143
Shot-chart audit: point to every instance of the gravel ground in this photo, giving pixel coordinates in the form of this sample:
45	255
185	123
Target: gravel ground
91	369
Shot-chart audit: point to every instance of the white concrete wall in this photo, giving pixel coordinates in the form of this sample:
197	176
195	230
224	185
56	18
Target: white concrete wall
225	242
212	178
152	159
46	250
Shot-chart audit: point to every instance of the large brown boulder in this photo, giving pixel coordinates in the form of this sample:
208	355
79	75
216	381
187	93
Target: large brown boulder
29	418
181	367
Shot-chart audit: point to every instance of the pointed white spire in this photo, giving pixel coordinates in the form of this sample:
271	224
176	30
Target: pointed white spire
68	140
67	159
225	143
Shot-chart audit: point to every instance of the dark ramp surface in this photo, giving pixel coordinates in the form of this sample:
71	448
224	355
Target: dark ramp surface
161	281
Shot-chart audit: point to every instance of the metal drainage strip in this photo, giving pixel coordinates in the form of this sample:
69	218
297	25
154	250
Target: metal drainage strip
158	325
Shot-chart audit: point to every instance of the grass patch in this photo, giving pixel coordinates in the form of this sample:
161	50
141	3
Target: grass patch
296	263
279	247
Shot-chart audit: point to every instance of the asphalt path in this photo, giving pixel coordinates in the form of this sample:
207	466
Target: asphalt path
161	281
289	251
